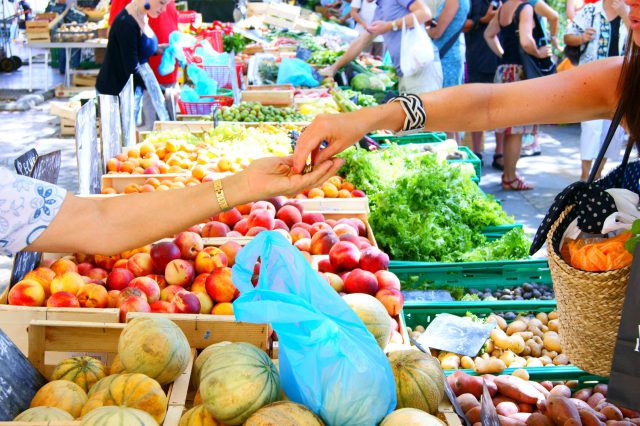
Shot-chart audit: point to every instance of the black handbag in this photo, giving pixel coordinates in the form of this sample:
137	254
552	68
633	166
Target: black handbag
534	67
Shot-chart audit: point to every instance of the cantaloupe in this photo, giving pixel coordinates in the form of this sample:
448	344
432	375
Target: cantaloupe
419	380
84	371
199	362
236	381
121	416
198	416
154	346
130	390
43	414
411	417
373	314
102	384
284	413
61	394
116	366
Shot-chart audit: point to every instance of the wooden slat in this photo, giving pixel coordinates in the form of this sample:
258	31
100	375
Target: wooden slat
187	126
178	396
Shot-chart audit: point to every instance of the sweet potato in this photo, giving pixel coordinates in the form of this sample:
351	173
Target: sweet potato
572	422
601	388
467	402
632	414
518	389
547	385
581	405
612	412
508	421
561	390
473	415
541	389
477	424
541	405
583	394
461	382
506	408
501	398
619	423
523	417
561	409
589	418
595	399
635	420
525	408
539	419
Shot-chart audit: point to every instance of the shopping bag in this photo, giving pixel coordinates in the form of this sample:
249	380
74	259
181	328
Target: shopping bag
416	49
296	72
329	362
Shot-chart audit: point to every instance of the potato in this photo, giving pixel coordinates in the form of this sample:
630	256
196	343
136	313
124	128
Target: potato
542	317
536	323
517	344
545	360
601	388
551	341
539	419
561	409
554	325
611	412
553	315
500	339
550	354
522	318
516	326
535	349
526	335
419	329
526	352
561	390
489	346
561	359
467	362
467	401
522	373
534	362
508	357
485	356
506	408
516	364
595	399
491	366
498	320
544	328
497	353
572	384
450	362
521	360
535	331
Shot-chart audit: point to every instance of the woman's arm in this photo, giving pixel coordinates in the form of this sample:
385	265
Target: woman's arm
491	36
546	11
449	11
418	8
128	37
355	49
525	29
584	93
115	224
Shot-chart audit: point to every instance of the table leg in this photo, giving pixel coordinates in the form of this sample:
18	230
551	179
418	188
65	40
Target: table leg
30	72
67	74
46	69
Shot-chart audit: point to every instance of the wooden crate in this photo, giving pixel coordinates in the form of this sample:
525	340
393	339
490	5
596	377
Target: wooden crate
68	92
84	79
66	110
287	86
120	181
38	30
306	25
256	9
269	97
281	15
67	127
187	126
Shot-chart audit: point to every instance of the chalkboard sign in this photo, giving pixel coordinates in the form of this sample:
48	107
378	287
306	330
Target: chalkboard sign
23	263
110	128
24	164
87	150
126	114
154	90
19	380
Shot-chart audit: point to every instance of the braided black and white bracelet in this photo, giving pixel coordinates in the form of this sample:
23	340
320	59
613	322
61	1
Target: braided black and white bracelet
416	116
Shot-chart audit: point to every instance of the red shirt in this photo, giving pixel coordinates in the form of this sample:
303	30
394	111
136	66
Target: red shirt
162	26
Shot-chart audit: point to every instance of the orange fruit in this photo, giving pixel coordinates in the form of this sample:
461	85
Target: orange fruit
316	193
330	190
224	308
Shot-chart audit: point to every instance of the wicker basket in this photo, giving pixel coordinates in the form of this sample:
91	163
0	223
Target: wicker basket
589	306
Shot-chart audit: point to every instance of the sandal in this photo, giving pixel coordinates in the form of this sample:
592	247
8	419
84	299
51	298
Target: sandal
517	184
495	163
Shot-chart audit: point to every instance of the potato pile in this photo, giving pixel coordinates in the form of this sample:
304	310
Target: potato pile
525	342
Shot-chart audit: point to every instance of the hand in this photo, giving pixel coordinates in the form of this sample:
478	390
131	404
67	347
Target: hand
327	72
544	51
619	7
556	45
491	12
379	27
339	130
273	176
588	35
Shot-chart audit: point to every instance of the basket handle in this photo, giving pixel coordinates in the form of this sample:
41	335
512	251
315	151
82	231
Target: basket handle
617	118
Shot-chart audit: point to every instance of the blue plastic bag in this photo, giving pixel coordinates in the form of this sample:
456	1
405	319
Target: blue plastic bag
296	72
329	362
174	52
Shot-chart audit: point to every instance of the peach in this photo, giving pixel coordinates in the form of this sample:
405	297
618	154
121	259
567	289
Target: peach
63	265
195	228
304	226
148	286
84	268
131	292
63	299
189	243
185	302
121	264
245	208
289	214
343	193
206	304
93	296
312	218
307	257
299	233
330	190
234	234
261	217
69	282
159	279
350	238
279	224
133	304
297	204
264	205
373	260
140	264
163	253
322	241
284	233
209	259
198	285
392	300
230	217
278	202
331	222
335	281
231	249
358	193
344	256
27	293
42	275
387	279
303	244
160	306
242	226
119	278
316	193
113	298
361	281
214	229
356	223
319	226
220	286
224	308
179	272
394	324
363	243
168	293
105	262
252	232
345	228
325	265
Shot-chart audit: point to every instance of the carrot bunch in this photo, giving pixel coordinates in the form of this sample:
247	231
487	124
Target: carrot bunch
605	255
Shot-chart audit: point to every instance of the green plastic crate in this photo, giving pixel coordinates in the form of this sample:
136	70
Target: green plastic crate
471	158
493	233
419	138
558	373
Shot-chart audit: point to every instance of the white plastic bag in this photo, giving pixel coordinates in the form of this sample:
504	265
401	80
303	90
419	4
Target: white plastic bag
416	49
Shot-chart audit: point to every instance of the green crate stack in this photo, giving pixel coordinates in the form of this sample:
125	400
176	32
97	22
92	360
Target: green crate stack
417	138
493	233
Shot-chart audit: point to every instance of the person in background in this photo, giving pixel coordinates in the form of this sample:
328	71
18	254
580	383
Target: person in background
387	22
40	216
345	14
482	63
362	12
26	14
602	29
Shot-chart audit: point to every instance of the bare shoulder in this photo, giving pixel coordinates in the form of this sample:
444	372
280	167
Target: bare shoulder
601	79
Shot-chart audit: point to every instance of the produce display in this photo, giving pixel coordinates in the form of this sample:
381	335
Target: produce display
256	112
519	401
526	291
324	57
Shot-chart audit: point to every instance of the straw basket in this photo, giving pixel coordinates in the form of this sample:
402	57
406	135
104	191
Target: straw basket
589	306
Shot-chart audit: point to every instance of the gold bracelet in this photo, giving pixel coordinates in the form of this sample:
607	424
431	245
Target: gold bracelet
222	200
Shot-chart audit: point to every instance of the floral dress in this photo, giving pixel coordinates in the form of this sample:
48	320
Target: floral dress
27	206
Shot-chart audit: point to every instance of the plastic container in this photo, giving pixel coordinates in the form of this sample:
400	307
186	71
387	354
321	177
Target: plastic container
222	75
204	108
418	138
187	16
214	37
493	233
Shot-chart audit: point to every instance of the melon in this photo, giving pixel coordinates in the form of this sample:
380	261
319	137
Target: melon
121	416
411	417
132	390
116	366
154	346
419	380
102	384
284	413
198	416
43	414
84	371
236	381
61	394
373	314
199	362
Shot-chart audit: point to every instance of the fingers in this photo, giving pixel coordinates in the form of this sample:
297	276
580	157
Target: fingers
322	172
308	142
